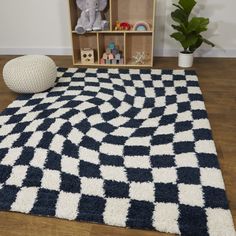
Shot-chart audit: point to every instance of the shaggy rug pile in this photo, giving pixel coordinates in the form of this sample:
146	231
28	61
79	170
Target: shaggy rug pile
130	148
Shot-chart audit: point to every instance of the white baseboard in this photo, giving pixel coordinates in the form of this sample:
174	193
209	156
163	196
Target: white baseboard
215	52
158	52
40	51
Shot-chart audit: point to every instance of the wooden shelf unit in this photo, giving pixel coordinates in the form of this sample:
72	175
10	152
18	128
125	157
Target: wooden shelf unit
128	42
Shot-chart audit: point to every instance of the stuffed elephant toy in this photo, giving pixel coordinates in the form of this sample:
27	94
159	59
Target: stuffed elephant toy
90	18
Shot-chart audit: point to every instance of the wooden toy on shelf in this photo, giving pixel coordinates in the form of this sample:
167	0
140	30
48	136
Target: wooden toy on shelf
112	55
141	26
108	51
87	56
123	26
118	56
115	51
112	46
139	58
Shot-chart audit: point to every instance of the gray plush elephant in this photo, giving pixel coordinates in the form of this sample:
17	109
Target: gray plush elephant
90	18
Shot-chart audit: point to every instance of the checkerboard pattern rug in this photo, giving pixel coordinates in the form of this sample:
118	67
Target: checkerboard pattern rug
130	148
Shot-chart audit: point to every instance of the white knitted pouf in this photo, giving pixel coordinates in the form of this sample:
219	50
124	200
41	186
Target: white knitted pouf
30	74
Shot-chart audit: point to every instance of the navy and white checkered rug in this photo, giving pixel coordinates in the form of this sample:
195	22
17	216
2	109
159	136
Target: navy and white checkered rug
129	148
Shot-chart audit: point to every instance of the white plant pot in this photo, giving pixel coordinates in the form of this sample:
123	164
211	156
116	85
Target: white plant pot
185	60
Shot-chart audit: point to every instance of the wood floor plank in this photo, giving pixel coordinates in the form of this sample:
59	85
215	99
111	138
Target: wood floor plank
218	84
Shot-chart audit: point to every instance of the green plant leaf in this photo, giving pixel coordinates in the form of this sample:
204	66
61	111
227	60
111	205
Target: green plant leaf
178	6
189	41
187	5
198	24
179	16
208	42
185	40
195	46
178	36
181	28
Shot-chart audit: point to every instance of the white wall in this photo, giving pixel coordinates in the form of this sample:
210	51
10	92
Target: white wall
42	26
34	26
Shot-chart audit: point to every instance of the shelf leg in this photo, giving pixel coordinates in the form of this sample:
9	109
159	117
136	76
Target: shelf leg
125	53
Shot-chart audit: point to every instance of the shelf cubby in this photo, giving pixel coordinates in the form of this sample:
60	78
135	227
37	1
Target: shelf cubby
139	43
128	42
132	11
84	41
75	13
106	38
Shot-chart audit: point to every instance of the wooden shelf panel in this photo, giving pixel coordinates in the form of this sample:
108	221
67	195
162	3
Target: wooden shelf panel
146	65
131	62
74	14
117	31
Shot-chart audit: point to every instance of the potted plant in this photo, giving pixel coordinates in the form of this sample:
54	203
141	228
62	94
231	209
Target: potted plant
188	31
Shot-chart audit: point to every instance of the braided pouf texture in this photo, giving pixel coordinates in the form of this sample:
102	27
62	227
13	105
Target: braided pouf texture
30	74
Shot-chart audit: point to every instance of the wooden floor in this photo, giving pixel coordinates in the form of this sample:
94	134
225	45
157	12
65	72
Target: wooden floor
218	83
